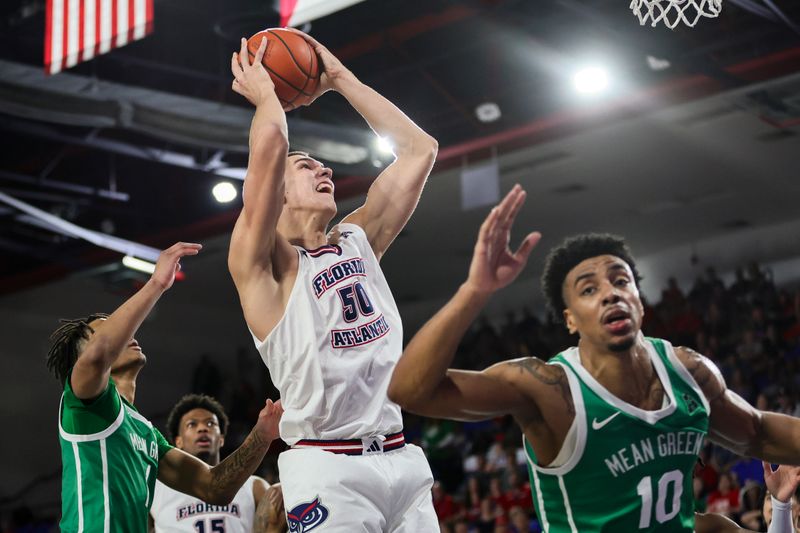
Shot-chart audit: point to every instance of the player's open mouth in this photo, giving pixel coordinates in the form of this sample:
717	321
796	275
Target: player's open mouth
203	441
325	186
617	321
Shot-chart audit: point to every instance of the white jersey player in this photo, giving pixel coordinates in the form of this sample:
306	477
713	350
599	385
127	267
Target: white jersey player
323	317
197	425
176	512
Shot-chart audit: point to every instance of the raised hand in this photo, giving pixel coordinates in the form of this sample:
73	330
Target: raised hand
169	263
268	419
250	78
782	482
493	264
334	70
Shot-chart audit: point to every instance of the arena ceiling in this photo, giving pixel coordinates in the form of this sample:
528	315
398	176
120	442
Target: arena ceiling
131	142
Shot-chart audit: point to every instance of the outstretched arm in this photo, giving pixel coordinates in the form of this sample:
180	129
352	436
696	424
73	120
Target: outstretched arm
254	239
393	196
421	381
90	374
218	485
737	425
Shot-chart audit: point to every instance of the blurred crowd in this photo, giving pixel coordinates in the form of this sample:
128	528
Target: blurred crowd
749	328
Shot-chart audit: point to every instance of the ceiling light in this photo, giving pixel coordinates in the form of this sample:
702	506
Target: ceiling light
657	64
138	264
590	80
224	192
488	112
385	146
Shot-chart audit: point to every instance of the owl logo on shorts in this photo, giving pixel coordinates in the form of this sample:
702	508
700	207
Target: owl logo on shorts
307	516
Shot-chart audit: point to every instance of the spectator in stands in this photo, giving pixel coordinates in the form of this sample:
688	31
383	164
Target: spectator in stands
518	493
443	503
672	296
461	527
472	500
724	500
521	521
485	522
752	500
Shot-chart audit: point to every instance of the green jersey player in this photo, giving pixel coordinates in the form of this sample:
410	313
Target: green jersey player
612	426
111	454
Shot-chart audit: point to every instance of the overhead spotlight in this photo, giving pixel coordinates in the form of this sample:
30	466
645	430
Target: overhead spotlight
224	192
138	264
385	146
590	80
488	112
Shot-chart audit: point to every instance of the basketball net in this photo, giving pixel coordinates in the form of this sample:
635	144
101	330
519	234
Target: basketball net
673	12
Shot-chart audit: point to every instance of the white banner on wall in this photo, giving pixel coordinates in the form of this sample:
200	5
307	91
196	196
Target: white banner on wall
296	12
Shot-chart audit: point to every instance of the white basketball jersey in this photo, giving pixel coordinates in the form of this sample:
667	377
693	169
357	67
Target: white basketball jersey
176	512
332	353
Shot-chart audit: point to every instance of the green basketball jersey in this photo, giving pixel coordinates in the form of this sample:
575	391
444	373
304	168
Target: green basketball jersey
110	456
630	469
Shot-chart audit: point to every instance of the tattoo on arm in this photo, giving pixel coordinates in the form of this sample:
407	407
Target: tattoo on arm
702	373
238	465
547	374
694	365
534	367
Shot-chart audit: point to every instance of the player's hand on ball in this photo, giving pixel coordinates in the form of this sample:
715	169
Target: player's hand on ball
169	264
334	71
494	265
268	419
782	482
250	78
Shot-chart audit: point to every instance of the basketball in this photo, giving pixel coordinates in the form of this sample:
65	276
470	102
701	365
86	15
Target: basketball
292	64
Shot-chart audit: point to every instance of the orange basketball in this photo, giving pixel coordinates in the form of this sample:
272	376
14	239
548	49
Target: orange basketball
292	64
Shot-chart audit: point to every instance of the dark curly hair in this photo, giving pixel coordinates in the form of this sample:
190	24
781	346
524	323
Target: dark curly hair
66	344
195	401
563	258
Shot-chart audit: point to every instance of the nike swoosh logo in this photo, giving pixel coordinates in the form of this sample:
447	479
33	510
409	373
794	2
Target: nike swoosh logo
602	423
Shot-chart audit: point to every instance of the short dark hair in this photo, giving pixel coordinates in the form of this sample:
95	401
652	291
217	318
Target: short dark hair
297	152
563	258
66	344
195	401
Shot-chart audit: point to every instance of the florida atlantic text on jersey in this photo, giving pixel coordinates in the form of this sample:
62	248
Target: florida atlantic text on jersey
332	353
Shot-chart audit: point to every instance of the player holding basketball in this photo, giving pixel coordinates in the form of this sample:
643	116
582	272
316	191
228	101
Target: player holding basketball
322	315
620	415
111	454
197	425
